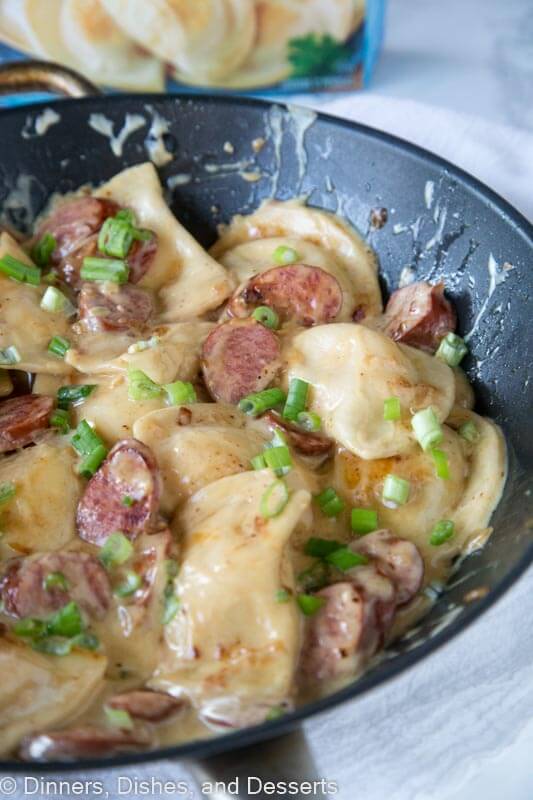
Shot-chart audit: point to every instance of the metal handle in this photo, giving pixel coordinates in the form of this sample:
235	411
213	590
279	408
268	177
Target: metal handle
247	772
17	77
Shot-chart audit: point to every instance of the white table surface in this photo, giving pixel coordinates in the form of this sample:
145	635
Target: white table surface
458	726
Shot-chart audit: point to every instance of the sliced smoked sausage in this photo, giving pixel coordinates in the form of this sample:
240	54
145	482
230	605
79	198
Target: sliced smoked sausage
239	357
73	221
307	295
23	419
146	704
419	315
130	470
110	307
398	559
309	444
140	257
84	742
23	591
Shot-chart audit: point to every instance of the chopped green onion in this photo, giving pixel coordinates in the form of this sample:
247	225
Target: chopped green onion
279	439
282	596
73	395
314	577
171	605
258	403
279	459
275	713
427	428
469	432
180	392
172	567
144	344
296	399
29	627
52	646
115	237
55	580
330	502
117	550
310	604
85	439
267	317
344	559
50	277
442	531
10	356
127	215
452	349
85	640
391	409
118	718
395	490
56	302
258	462
92	461
320	548
59	346
42	251
60	420
18	271
7	492
141	387
442	468
364	520
285	255
130	585
128	501
104	269
65	622
309	421
274	499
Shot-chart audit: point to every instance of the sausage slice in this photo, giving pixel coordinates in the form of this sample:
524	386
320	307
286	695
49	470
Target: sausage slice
419	315
23	419
398	559
146	704
23	586
140	257
73	221
82	742
307	295
130	470
239	357
108	307
309	444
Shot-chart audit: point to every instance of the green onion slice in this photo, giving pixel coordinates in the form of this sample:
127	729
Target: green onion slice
118	718
73	395
427	428
7	492
469	432
171	605
18	271
330	503
104	269
128	501
92	461
309	421
258	403
364	520
115	237
391	409
59	419
320	548
442	531
452	349
58	346
85	439
42	251
10	356
344	559
141	387
267	317
180	392
285	255
442	468
314	577
283	596
279	459
117	549
395	491
56	302
132	582
274	499
55	580
258	462
66	622
310	603
296	399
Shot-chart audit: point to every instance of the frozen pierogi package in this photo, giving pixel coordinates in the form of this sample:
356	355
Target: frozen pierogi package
215	45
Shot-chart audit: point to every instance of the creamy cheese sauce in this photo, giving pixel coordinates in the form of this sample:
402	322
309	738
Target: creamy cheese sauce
233	650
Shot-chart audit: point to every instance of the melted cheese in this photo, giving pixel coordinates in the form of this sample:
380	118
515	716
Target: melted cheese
41	515
316	235
188	281
232	646
352	371
39	691
23	323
